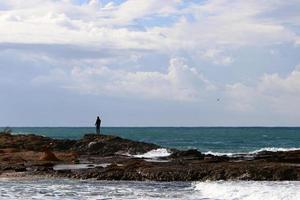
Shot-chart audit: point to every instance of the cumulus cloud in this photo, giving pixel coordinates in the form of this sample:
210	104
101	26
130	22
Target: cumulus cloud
214	24
128	11
220	24
120	48
179	82
93	24
240	97
273	94
216	56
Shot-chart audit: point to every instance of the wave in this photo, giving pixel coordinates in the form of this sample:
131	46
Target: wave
91	189
21	133
249	190
220	153
156	153
232	154
163	152
274	149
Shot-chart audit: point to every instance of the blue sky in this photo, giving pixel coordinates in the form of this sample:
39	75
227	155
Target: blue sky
150	62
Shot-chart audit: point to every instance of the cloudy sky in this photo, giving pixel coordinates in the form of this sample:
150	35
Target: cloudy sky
150	62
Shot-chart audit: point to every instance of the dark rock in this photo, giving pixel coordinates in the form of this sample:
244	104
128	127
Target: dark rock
280	156
286	174
216	159
190	165
107	145
189	154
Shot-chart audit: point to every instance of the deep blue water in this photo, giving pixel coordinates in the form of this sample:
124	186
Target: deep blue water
216	139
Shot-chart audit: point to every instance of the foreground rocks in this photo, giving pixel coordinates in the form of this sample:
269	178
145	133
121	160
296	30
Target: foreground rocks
109	158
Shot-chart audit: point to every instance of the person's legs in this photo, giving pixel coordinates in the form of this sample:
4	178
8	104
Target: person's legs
98	130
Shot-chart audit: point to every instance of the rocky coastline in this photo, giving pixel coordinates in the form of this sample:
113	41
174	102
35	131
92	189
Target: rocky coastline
106	157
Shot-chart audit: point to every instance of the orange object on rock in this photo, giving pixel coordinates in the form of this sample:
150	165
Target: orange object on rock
48	156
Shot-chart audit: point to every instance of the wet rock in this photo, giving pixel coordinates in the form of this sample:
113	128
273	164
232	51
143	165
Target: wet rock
216	159
189	154
286	174
107	145
280	156
20	169
190	165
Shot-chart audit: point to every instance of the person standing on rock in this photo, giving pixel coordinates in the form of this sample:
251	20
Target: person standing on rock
97	124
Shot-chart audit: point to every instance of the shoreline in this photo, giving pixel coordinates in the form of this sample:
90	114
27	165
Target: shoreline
107	157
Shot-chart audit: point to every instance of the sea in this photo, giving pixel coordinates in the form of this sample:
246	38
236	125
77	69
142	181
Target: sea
214	140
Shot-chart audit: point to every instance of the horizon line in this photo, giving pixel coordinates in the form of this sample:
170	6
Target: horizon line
298	126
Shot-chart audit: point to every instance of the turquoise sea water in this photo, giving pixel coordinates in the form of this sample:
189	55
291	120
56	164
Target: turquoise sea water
214	139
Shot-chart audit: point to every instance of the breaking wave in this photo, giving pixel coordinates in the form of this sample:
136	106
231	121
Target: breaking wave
156	153
231	154
249	190
50	189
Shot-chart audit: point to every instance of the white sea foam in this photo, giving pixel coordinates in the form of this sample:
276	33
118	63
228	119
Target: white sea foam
249	190
156	153
231	154
74	189
220	153
274	149
162	152
49	189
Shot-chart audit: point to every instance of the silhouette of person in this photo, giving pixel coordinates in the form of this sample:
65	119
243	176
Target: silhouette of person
97	124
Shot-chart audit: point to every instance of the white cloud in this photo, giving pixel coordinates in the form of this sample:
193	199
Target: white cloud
223	24
180	82
297	41
127	12
215	25
95	3
216	56
105	49
273	94
241	97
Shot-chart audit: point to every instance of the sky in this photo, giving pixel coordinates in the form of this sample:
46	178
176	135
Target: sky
150	62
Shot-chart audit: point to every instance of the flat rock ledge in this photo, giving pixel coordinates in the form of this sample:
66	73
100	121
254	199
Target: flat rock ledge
106	157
